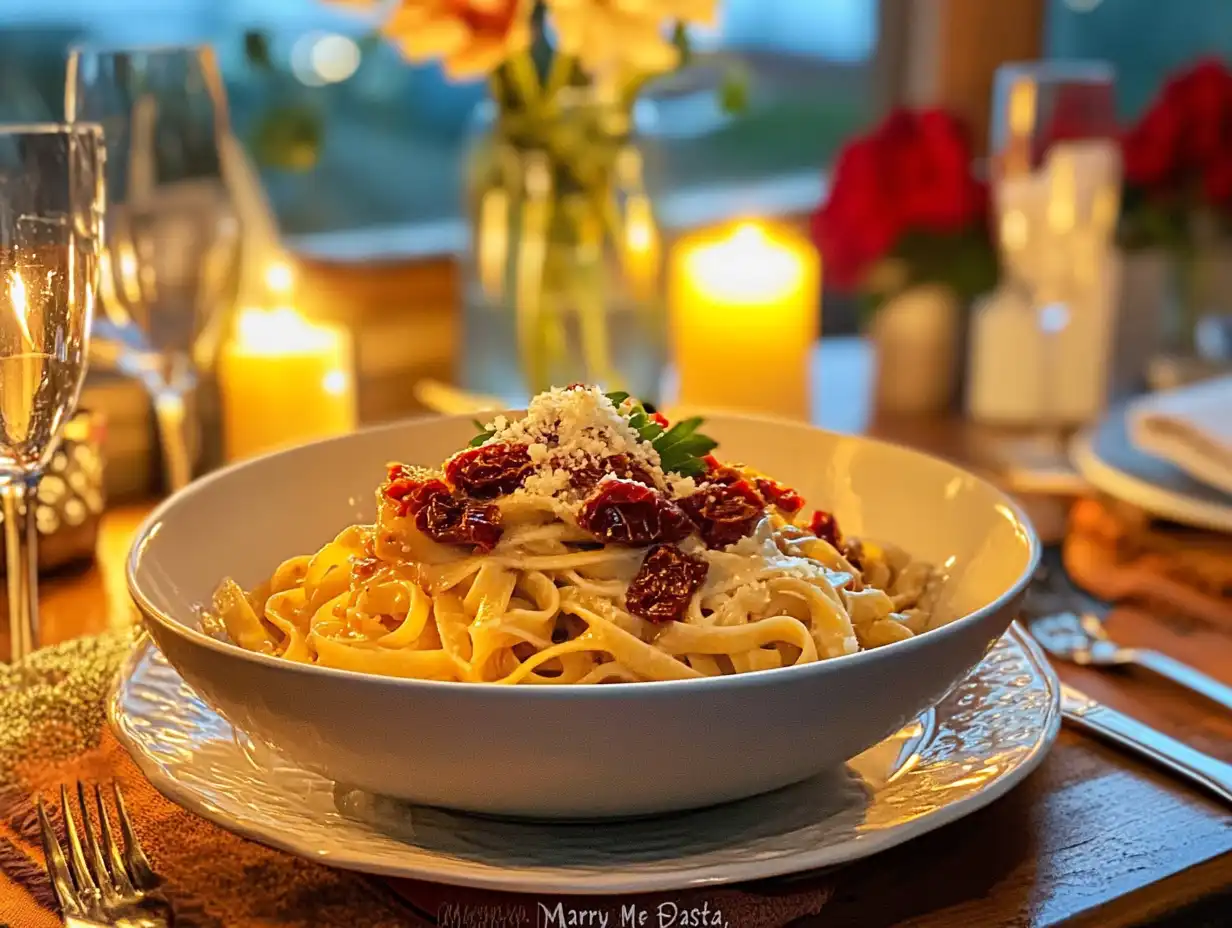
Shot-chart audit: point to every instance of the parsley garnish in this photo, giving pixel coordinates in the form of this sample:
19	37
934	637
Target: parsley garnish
681	447
485	433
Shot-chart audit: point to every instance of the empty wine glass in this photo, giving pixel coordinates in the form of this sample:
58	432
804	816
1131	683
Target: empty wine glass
171	262
1053	152
51	210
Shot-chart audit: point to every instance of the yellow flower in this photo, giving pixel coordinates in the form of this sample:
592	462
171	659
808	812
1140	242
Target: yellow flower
604	34
470	37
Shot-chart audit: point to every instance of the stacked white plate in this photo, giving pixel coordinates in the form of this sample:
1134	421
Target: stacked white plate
1110	461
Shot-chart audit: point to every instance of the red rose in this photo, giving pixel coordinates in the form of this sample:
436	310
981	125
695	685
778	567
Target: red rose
1151	149
1182	141
941	193
855	226
913	172
1217	183
1203	98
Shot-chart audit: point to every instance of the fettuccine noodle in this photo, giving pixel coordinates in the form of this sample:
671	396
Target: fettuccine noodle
533	584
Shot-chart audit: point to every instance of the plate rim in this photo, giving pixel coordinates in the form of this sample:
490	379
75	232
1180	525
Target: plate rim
563	883
1132	488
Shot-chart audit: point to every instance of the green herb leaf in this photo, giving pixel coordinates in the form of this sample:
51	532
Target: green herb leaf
484	434
684	453
678	433
617	398
681	447
691	468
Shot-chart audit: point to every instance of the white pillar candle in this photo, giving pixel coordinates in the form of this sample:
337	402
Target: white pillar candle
284	381
745	309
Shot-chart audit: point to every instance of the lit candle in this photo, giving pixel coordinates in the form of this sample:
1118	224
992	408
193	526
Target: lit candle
745	304
284	380
642	247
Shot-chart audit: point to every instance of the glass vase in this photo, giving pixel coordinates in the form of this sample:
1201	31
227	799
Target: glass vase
1202	305
562	276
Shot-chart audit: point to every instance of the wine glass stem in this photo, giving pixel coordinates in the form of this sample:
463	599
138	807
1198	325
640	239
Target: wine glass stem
169	409
20	498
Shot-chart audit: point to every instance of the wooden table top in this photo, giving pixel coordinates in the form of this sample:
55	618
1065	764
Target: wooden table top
1091	838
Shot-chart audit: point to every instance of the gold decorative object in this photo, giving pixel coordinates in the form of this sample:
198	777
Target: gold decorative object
71	497
53	703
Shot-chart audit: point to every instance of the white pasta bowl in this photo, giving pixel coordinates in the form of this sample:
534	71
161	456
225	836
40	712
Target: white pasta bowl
578	751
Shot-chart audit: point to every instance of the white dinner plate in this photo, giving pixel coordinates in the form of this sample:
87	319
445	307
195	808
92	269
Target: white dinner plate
980	740
1110	462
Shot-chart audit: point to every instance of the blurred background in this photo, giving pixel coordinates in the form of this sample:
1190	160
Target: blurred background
999	231
360	155
390	133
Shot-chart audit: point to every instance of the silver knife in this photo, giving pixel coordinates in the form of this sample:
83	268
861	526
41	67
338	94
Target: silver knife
1202	770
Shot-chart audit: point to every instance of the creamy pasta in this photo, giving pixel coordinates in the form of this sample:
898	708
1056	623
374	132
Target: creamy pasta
587	542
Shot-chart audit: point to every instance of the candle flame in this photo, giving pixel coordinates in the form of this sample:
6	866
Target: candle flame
749	235
19	299
749	264
280	331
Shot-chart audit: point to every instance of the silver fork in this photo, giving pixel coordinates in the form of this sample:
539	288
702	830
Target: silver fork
108	883
1082	639
1068	624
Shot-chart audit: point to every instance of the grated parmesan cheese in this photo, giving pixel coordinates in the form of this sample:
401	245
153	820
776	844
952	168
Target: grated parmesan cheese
566	430
681	486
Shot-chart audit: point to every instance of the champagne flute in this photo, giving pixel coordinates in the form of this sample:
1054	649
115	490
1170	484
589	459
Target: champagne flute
170	268
51	211
1049	117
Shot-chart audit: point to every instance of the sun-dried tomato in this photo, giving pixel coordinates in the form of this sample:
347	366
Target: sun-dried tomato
620	465
658	419
452	520
626	512
402	472
409	489
664	584
785	498
718	472
438	513
825	527
724	513
490	470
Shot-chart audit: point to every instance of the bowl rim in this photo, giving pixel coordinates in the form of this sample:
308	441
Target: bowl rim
752	679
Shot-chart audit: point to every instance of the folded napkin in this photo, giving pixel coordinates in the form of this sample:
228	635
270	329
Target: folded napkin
1117	553
53	731
1190	427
